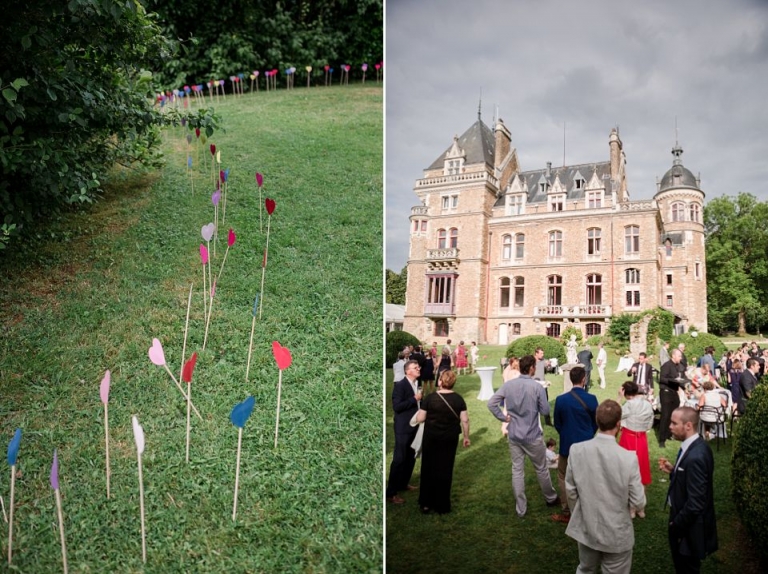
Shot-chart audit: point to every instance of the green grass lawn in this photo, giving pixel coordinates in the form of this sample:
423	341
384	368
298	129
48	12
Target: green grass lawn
483	532
119	276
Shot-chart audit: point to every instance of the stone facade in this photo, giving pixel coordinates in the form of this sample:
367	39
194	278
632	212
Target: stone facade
497	253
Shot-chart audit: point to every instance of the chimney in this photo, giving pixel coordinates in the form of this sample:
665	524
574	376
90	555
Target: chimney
503	144
549	169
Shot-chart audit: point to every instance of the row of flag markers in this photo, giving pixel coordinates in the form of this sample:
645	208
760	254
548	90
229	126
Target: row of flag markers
239	415
157	356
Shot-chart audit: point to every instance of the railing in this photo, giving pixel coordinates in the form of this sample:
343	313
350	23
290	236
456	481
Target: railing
636	205
442	254
420	210
572	311
439	309
460	178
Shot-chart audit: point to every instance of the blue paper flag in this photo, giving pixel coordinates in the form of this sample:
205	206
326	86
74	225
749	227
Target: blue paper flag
242	411
256	305
13	447
226	174
189	161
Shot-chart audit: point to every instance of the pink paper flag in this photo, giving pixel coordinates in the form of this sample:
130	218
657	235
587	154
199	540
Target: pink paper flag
156	354
231	238
55	471
282	355
104	389
203	254
259	179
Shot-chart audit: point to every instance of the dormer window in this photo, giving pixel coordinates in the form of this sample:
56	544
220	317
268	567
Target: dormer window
454	159
579	183
544	187
516	204
557	202
454	166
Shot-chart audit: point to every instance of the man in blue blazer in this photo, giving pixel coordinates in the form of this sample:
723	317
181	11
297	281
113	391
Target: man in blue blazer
692	526
405	401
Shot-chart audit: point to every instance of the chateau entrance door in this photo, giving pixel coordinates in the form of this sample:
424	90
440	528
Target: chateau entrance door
503	332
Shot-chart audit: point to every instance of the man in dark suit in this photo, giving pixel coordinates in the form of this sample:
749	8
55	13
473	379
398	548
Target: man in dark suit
671	378
692	526
642	374
405	402
585	358
419	357
684	359
747	383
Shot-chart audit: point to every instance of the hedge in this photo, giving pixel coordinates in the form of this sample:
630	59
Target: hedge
527	345
396	340
749	480
694	346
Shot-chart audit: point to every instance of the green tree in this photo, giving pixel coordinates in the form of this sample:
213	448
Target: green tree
737	262
396	286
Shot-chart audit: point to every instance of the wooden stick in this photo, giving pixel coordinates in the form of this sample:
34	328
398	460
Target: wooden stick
222	264
237	470
250	348
210	310
224	207
182	391
106	443
61	531
186	330
215	234
10	515
279	388
2	504
264	268
189	413
141	506
205	298
261	209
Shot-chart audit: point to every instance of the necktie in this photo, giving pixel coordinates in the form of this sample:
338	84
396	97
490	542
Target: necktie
677	460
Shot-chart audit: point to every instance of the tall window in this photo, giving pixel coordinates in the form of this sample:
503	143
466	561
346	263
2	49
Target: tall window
668	247
515	328
594	289
519	292
632	276
519	246
633	298
504	286
555	244
669	279
678	211
446	202
594	237
440	294
594	199
695	212
506	247
441	238
554	290
632	239
697	268
553	330
423	225
454	238
441	327
594	329
669	300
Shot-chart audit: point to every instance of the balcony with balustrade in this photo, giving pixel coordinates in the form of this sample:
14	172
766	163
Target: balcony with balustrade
573	311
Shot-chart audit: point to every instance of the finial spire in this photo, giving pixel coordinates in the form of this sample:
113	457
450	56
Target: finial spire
480	104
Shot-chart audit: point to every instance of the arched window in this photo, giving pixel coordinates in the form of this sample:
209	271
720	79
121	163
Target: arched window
519	292
506	247
554	290
594	329
553	330
555	244
515	328
678	211
454	238
632	276
504	286
594	237
632	239
695	212
519	246
441	238
594	289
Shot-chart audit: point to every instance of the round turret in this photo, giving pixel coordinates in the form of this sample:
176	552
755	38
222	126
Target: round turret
678	176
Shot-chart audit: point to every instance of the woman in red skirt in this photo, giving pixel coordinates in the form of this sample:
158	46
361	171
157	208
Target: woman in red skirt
461	358
636	421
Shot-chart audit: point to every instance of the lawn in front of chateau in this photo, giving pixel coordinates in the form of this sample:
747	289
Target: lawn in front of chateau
484	534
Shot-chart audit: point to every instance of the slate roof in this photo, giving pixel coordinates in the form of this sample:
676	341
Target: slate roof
478	144
567	179
687	179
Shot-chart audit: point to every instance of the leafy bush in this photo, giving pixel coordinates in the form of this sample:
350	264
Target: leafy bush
527	345
619	328
694	346
661	326
396	340
748	477
72	108
595	340
565	336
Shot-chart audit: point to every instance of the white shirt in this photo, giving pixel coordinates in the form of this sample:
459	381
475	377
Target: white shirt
602	358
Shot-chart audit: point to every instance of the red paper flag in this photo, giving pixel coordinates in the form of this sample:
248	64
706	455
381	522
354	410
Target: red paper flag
197	132
213	149
189	367
270	205
230	238
282	355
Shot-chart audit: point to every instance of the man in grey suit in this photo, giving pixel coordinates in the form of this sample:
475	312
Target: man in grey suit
602	483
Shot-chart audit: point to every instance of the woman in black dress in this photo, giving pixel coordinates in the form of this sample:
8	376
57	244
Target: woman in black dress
445	413
428	370
446	364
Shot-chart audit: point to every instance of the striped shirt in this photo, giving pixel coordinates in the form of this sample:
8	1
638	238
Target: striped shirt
525	399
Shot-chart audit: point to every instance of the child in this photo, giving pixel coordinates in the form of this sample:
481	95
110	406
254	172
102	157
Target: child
552	456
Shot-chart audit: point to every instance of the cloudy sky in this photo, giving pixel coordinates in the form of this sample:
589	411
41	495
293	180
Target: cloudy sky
591	65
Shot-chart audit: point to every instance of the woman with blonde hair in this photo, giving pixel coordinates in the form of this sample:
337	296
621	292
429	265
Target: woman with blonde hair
444	414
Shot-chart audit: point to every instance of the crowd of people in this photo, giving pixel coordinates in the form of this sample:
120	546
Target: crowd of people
603	463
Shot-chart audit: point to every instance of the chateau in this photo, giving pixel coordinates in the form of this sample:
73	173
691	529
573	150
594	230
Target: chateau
497	253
